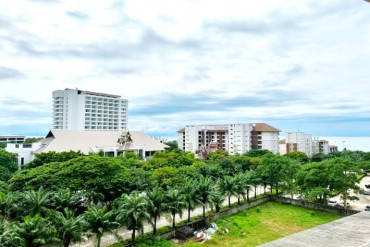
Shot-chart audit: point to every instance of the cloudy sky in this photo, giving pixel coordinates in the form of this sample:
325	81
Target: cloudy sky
297	65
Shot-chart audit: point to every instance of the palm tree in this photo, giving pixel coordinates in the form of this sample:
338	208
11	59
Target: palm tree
9	204
188	190
206	188
64	198
100	221
229	187
155	199
70	229
34	231
174	203
133	211
217	199
254	179
35	202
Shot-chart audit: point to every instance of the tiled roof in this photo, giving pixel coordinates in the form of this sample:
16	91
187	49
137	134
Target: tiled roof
263	127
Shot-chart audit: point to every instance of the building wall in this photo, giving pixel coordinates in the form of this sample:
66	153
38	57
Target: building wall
12	139
299	142
233	138
24	152
239	138
81	110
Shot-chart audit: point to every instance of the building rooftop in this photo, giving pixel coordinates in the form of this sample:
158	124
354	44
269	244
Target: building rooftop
263	127
87	141
350	231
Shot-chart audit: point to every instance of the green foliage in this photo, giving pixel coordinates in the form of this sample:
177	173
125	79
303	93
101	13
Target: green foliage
104	175
33	231
175	158
8	164
45	158
165	177
218	155
32	140
100	221
172	145
298	156
133	211
258	153
2	145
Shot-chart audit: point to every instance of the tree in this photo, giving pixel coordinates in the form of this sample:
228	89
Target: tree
104	175
229	187
342	177
188	190
69	228
100	221
174	203
52	156
172	145
64	198
258	152
133	211
254	179
206	188
36	202
298	156
290	169
270	170
165	176
217	199
156	198
8	164
34	231
313	180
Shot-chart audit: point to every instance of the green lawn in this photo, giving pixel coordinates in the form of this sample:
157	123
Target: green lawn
258	225
265	223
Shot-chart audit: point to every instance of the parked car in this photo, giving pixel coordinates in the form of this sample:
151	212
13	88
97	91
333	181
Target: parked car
367	208
332	203
366	192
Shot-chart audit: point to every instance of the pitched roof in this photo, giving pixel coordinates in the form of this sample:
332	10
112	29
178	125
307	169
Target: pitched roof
86	141
263	127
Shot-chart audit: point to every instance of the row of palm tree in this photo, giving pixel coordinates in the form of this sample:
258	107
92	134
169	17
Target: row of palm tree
66	216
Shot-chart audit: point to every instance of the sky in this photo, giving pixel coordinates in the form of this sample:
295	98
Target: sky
296	65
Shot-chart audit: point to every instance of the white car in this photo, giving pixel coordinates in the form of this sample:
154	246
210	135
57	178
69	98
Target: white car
332	203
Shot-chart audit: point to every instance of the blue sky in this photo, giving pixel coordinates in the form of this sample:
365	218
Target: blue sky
297	65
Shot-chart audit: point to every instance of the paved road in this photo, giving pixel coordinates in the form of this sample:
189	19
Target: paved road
363	199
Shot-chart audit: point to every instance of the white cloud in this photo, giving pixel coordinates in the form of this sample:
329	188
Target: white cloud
256	57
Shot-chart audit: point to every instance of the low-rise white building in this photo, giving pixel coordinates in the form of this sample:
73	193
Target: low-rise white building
112	143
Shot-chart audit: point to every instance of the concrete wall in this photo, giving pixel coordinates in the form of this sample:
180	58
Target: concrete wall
312	205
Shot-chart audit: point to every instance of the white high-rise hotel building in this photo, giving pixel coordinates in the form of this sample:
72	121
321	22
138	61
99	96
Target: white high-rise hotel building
75	109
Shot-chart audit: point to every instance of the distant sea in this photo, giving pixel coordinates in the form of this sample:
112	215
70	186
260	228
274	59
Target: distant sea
350	143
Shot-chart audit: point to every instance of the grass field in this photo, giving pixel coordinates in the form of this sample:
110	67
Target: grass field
265	223
257	225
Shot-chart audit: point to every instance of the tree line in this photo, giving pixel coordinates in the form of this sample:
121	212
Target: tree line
59	198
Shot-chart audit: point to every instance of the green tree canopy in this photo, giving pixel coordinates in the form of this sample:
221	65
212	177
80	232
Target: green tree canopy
104	175
45	158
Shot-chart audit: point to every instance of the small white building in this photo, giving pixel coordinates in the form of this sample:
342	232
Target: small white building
298	142
25	152
12	138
